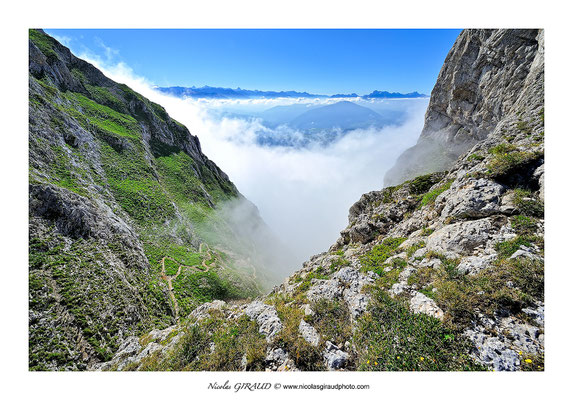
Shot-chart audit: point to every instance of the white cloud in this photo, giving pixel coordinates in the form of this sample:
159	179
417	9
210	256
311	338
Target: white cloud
303	194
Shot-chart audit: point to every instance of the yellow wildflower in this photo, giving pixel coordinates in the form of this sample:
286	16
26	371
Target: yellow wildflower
375	363
521	352
527	360
368	362
421	358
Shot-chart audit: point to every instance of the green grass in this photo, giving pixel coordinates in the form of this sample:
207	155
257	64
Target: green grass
527	203
305	356
507	248
171	267
73	281
93	115
64	174
523	127
231	340
476	157
44	43
144	200
374	259
331	319
105	97
391	338
506	158
416	246
487	292
523	225
431	196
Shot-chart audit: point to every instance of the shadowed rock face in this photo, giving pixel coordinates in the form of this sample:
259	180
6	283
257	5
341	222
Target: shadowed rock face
484	76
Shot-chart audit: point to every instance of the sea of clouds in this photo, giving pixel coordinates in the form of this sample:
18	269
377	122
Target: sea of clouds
303	193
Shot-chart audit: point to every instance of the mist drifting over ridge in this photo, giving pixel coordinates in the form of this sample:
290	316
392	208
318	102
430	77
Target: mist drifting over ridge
302	193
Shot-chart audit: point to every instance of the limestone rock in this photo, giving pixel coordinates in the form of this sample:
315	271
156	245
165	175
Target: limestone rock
308	333
420	303
475	198
267	318
334	357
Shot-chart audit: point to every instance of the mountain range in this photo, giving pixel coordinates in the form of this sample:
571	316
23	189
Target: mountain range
209	92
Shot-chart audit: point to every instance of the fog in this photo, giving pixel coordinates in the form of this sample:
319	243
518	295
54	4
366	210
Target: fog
302	193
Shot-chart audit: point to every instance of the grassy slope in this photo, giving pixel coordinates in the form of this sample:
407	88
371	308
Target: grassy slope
158	188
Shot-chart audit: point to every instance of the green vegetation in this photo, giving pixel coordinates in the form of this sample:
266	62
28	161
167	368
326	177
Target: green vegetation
44	43
422	184
507	248
523	225
476	157
374	259
527	203
93	115
388	192
103	95
318	273
416	246
145	201
165	196
390	338
171	267
462	296
306	356
431	196
507	158
231	341
427	231
339	263
64	173
523	127
73	284
331	319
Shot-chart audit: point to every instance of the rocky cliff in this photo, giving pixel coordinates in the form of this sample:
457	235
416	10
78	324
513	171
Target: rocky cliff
442	272
126	226
486	77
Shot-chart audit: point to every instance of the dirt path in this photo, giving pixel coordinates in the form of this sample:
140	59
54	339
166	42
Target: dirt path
170	278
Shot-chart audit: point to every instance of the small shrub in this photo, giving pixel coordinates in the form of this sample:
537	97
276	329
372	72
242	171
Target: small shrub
507	158
339	263
476	157
487	291
421	184
427	231
171	267
332	320
390	338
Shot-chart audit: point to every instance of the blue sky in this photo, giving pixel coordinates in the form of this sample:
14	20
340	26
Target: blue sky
316	61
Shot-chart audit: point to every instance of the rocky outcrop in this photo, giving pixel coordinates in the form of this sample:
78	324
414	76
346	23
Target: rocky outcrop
486	74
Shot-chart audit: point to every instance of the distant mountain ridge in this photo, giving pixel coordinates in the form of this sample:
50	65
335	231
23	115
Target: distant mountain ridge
210	92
